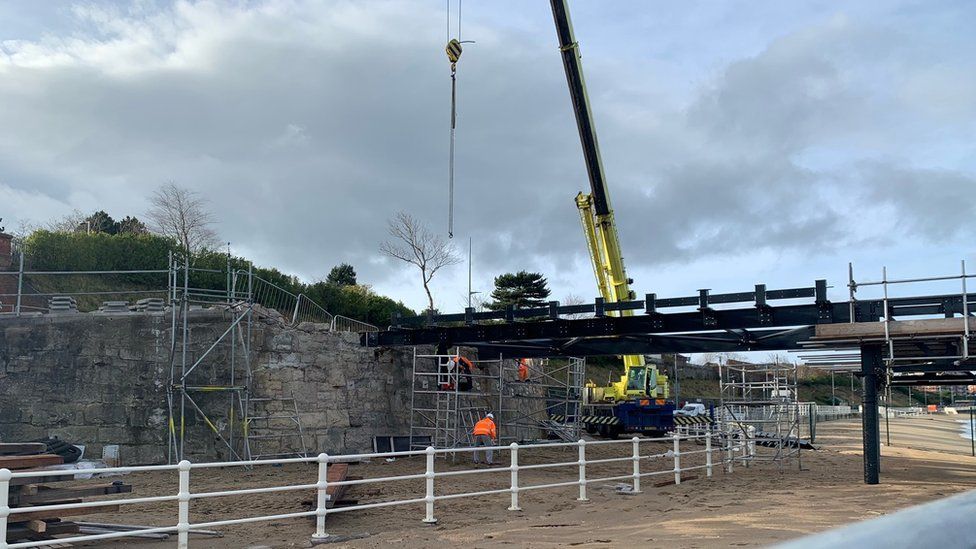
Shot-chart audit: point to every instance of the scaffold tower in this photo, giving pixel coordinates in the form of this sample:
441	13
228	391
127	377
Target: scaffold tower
759	403
530	399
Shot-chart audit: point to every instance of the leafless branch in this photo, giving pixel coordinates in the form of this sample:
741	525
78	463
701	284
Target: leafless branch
182	214
412	242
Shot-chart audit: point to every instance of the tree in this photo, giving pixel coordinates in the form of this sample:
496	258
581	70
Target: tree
573	299
521	289
131	225
68	223
342	275
182	214
412	242
98	222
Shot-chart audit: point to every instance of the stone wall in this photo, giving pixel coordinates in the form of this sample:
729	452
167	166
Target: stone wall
98	379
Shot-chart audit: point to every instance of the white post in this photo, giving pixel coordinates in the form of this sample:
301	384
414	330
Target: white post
429	498
20	286
677	457
729	456
322	497
636	459
708	451
5	476
582	471
183	524
514	467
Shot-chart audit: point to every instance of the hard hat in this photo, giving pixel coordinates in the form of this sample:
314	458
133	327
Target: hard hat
490	415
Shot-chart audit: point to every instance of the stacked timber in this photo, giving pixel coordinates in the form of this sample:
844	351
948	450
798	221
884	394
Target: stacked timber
150	305
114	307
43	489
61	304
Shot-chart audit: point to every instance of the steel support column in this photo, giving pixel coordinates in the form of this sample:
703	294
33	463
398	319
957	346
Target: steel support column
871	365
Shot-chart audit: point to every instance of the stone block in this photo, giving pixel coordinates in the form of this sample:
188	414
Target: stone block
76	434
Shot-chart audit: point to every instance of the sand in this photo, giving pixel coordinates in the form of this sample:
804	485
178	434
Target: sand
753	506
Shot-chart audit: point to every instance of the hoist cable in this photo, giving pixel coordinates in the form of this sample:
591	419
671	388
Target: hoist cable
450	188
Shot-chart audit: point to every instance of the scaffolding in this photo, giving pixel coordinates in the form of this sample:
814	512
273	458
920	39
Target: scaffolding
450	393
759	403
211	375
547	402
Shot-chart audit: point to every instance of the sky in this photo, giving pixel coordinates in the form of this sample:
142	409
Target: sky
744	142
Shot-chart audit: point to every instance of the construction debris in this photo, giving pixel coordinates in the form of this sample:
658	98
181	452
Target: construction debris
37	491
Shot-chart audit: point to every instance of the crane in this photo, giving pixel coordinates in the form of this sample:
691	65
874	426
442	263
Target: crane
640	380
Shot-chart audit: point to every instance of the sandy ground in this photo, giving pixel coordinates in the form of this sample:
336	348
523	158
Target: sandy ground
752	506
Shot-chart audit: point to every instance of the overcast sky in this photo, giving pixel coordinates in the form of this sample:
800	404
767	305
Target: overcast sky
744	142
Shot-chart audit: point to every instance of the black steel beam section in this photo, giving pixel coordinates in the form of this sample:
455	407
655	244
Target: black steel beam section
871	369
762	340
543	326
935	366
660	323
600	307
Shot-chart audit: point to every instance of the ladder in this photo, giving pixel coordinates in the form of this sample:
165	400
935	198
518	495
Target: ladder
274	429
445	420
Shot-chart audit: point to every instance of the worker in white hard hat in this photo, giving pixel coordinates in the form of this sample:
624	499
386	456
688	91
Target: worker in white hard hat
485	434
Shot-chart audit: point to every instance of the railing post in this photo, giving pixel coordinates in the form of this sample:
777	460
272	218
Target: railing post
729	456
322	497
708	452
582	471
294	316
429	498
677	457
183	524
20	286
5	476
636	457
515	487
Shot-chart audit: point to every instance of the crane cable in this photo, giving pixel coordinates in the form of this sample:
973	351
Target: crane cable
453	50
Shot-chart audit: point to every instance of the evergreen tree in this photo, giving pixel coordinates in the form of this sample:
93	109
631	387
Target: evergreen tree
521	289
131	225
342	275
98	222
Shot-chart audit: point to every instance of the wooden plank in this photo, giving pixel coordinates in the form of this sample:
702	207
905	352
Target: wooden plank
38	526
26	481
47	494
337	473
30	462
897	328
50	514
54	528
22	448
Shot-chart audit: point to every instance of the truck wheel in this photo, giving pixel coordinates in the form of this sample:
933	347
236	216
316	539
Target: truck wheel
590	428
609	431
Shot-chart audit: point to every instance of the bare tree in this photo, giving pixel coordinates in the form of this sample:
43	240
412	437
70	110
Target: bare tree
411	241
573	299
68	223
182	214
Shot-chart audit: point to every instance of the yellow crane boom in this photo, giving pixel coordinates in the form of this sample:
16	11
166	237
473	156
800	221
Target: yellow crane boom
599	227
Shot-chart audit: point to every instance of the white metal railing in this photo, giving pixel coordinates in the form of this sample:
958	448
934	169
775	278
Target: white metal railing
345	324
731	448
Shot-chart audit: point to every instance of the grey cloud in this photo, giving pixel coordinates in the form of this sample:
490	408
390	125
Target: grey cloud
308	125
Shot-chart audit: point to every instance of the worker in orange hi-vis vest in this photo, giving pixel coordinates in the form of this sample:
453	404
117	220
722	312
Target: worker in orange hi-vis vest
485	435
523	369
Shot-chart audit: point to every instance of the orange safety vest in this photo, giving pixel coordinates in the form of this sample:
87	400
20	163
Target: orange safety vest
485	427
523	369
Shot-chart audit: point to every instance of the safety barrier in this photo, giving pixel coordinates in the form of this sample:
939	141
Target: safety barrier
731	448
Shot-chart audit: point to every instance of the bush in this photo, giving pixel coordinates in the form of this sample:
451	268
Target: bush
62	251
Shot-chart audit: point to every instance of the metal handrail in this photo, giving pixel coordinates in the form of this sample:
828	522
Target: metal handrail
732	447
